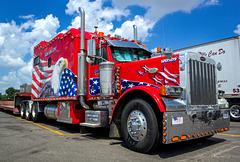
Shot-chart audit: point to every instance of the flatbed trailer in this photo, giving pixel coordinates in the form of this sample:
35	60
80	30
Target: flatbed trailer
19	98
8	105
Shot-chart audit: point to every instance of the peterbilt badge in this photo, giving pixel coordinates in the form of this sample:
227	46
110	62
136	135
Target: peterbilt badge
202	58
153	70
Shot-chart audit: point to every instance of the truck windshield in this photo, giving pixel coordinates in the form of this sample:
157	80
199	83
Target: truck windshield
129	54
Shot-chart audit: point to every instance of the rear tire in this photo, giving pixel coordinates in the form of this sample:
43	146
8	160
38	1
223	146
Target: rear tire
36	115
22	111
235	112
27	112
139	124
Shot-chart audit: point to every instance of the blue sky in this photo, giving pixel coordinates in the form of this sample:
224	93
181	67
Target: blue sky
166	23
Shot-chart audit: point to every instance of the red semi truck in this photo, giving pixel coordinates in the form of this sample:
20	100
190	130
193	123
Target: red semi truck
97	81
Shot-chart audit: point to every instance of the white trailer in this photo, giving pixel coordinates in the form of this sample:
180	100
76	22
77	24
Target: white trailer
226	53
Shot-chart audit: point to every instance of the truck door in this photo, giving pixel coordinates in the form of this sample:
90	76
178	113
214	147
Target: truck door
94	73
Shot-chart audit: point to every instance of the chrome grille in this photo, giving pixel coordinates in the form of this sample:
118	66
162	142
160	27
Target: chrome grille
202	83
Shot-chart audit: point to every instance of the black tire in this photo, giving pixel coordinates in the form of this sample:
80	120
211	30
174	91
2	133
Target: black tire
146	137
234	111
22	111
36	115
27	112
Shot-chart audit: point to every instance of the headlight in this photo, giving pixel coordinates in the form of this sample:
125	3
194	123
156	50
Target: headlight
171	91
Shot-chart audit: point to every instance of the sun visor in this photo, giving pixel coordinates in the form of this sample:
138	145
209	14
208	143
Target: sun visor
126	44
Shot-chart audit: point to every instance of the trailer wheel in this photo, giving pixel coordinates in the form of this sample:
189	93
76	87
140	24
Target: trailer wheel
27	112
36	115
235	112
22	111
139	126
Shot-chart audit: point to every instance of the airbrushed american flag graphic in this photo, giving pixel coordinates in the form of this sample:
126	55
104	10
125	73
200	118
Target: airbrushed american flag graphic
42	82
161	77
41	75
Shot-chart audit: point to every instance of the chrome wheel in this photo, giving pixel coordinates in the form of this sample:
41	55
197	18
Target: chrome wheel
22	111
137	125
235	111
27	112
33	112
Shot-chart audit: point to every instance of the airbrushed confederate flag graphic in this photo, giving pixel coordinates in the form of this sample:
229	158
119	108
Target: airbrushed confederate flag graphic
54	81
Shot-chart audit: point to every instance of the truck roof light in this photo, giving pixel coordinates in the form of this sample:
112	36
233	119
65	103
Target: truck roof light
159	49
101	35
144	45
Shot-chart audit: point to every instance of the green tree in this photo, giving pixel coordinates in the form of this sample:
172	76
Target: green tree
1	96
10	93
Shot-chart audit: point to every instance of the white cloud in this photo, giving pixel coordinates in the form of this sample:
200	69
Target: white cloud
96	14
25	73
143	26
11	80
17	78
212	2
26	16
17	41
8	61
237	31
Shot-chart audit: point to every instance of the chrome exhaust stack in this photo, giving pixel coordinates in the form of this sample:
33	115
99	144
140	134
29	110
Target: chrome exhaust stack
135	32
82	65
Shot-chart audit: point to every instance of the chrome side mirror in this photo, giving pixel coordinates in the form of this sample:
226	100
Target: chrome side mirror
91	50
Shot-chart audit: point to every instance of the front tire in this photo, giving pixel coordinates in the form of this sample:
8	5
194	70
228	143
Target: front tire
139	124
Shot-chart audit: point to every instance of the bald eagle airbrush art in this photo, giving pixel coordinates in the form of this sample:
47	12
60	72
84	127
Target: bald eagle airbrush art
51	87
57	73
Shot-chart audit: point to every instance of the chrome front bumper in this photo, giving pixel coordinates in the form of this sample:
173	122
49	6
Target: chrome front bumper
180	126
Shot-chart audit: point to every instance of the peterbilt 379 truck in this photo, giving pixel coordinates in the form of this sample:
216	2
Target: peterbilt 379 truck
97	81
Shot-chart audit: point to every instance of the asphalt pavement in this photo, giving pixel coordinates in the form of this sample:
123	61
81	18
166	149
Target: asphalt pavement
21	140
